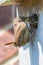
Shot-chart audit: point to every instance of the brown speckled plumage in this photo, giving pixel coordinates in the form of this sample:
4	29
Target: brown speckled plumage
22	36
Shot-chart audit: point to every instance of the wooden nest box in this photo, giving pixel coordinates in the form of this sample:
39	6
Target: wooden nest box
25	3
30	3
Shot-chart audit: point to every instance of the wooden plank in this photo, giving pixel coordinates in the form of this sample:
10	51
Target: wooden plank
9	3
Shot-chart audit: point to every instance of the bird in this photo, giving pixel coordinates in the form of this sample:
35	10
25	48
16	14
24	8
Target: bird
24	31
